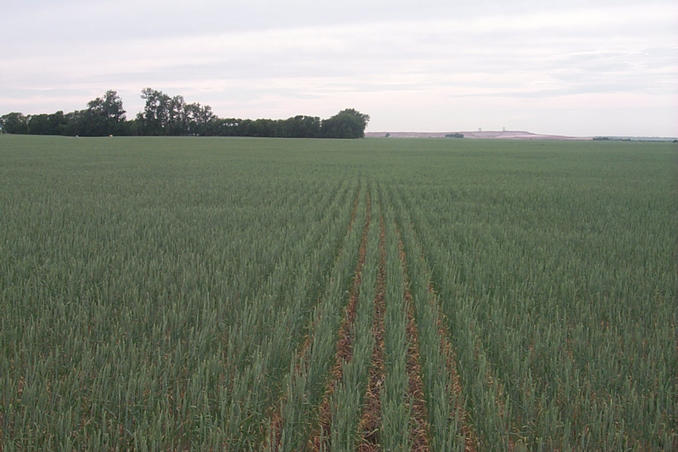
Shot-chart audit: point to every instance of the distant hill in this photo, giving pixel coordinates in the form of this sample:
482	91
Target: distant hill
512	135
490	134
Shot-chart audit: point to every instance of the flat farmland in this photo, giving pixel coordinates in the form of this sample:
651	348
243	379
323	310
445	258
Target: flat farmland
374	294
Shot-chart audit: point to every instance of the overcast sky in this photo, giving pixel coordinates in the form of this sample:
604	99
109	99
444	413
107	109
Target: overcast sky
551	67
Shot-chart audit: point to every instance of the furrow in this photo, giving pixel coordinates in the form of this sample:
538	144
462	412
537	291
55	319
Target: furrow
361	256
419	428
489	403
470	437
449	425
259	358
275	412
370	421
344	344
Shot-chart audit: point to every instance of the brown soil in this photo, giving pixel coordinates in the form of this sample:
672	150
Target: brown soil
470	436
419	406
276	420
344	348
370	422
419	428
307	341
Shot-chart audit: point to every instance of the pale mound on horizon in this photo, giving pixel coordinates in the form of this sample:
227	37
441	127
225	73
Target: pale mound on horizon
490	134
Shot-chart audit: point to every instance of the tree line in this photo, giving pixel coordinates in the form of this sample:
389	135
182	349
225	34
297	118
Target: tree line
165	115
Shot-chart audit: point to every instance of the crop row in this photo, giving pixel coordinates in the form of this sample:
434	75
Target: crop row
546	358
232	296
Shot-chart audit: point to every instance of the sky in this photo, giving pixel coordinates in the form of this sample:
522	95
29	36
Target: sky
575	67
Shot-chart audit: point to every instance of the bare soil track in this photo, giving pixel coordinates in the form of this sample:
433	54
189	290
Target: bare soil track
344	348
470	437
307	341
419	427
370	421
276	420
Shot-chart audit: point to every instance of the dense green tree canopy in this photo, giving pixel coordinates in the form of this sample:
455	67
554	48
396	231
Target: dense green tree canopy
347	123
104	116
14	123
167	115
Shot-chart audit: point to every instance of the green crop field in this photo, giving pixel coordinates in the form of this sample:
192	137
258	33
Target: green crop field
272	294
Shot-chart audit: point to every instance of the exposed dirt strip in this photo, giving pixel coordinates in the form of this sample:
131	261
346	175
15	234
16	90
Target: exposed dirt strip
307	342
370	422
344	350
470	437
420	428
276	419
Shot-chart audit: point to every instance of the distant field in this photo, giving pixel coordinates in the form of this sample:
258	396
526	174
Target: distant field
175	293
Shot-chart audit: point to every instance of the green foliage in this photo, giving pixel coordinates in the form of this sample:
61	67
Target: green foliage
394	396
165	115
172	116
156	293
14	123
346	405
104	116
347	123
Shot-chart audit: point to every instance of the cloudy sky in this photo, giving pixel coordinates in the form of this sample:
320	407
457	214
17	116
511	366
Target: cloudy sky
570	67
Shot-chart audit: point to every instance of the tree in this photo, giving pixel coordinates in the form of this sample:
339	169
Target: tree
348	123
14	122
104	116
165	115
198	119
302	127
39	125
44	124
73	122
155	117
176	116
